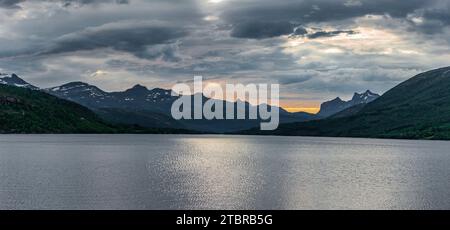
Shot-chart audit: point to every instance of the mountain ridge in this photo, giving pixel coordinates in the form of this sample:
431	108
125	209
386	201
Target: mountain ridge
139	102
151	108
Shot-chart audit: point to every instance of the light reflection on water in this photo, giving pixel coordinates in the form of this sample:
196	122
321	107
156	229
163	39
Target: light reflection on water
221	172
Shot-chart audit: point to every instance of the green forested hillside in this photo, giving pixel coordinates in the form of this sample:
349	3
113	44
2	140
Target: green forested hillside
31	111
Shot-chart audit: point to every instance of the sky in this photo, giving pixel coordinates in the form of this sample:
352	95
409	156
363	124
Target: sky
315	49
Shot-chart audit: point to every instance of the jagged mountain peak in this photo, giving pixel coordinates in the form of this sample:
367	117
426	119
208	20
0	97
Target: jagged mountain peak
14	76
367	93
337	105
337	99
366	97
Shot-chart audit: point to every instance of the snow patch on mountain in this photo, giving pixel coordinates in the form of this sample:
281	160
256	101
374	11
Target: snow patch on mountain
14	80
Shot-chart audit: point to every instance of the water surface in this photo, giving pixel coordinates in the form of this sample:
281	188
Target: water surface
221	172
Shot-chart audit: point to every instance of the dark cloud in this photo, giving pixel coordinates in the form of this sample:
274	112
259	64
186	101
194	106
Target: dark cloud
306	11
300	31
231	40
259	29
130	36
328	34
290	79
442	15
68	3
13	4
267	18
431	20
165	52
10	4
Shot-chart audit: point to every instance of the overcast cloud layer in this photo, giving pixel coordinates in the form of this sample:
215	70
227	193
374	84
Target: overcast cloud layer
316	49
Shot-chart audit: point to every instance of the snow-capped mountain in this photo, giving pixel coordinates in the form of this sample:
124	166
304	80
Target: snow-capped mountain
137	97
337	105
364	98
14	80
79	92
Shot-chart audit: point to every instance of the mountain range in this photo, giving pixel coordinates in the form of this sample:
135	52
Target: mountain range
152	108
25	108
116	108
418	108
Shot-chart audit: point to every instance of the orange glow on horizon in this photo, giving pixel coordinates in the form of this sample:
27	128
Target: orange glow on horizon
312	110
